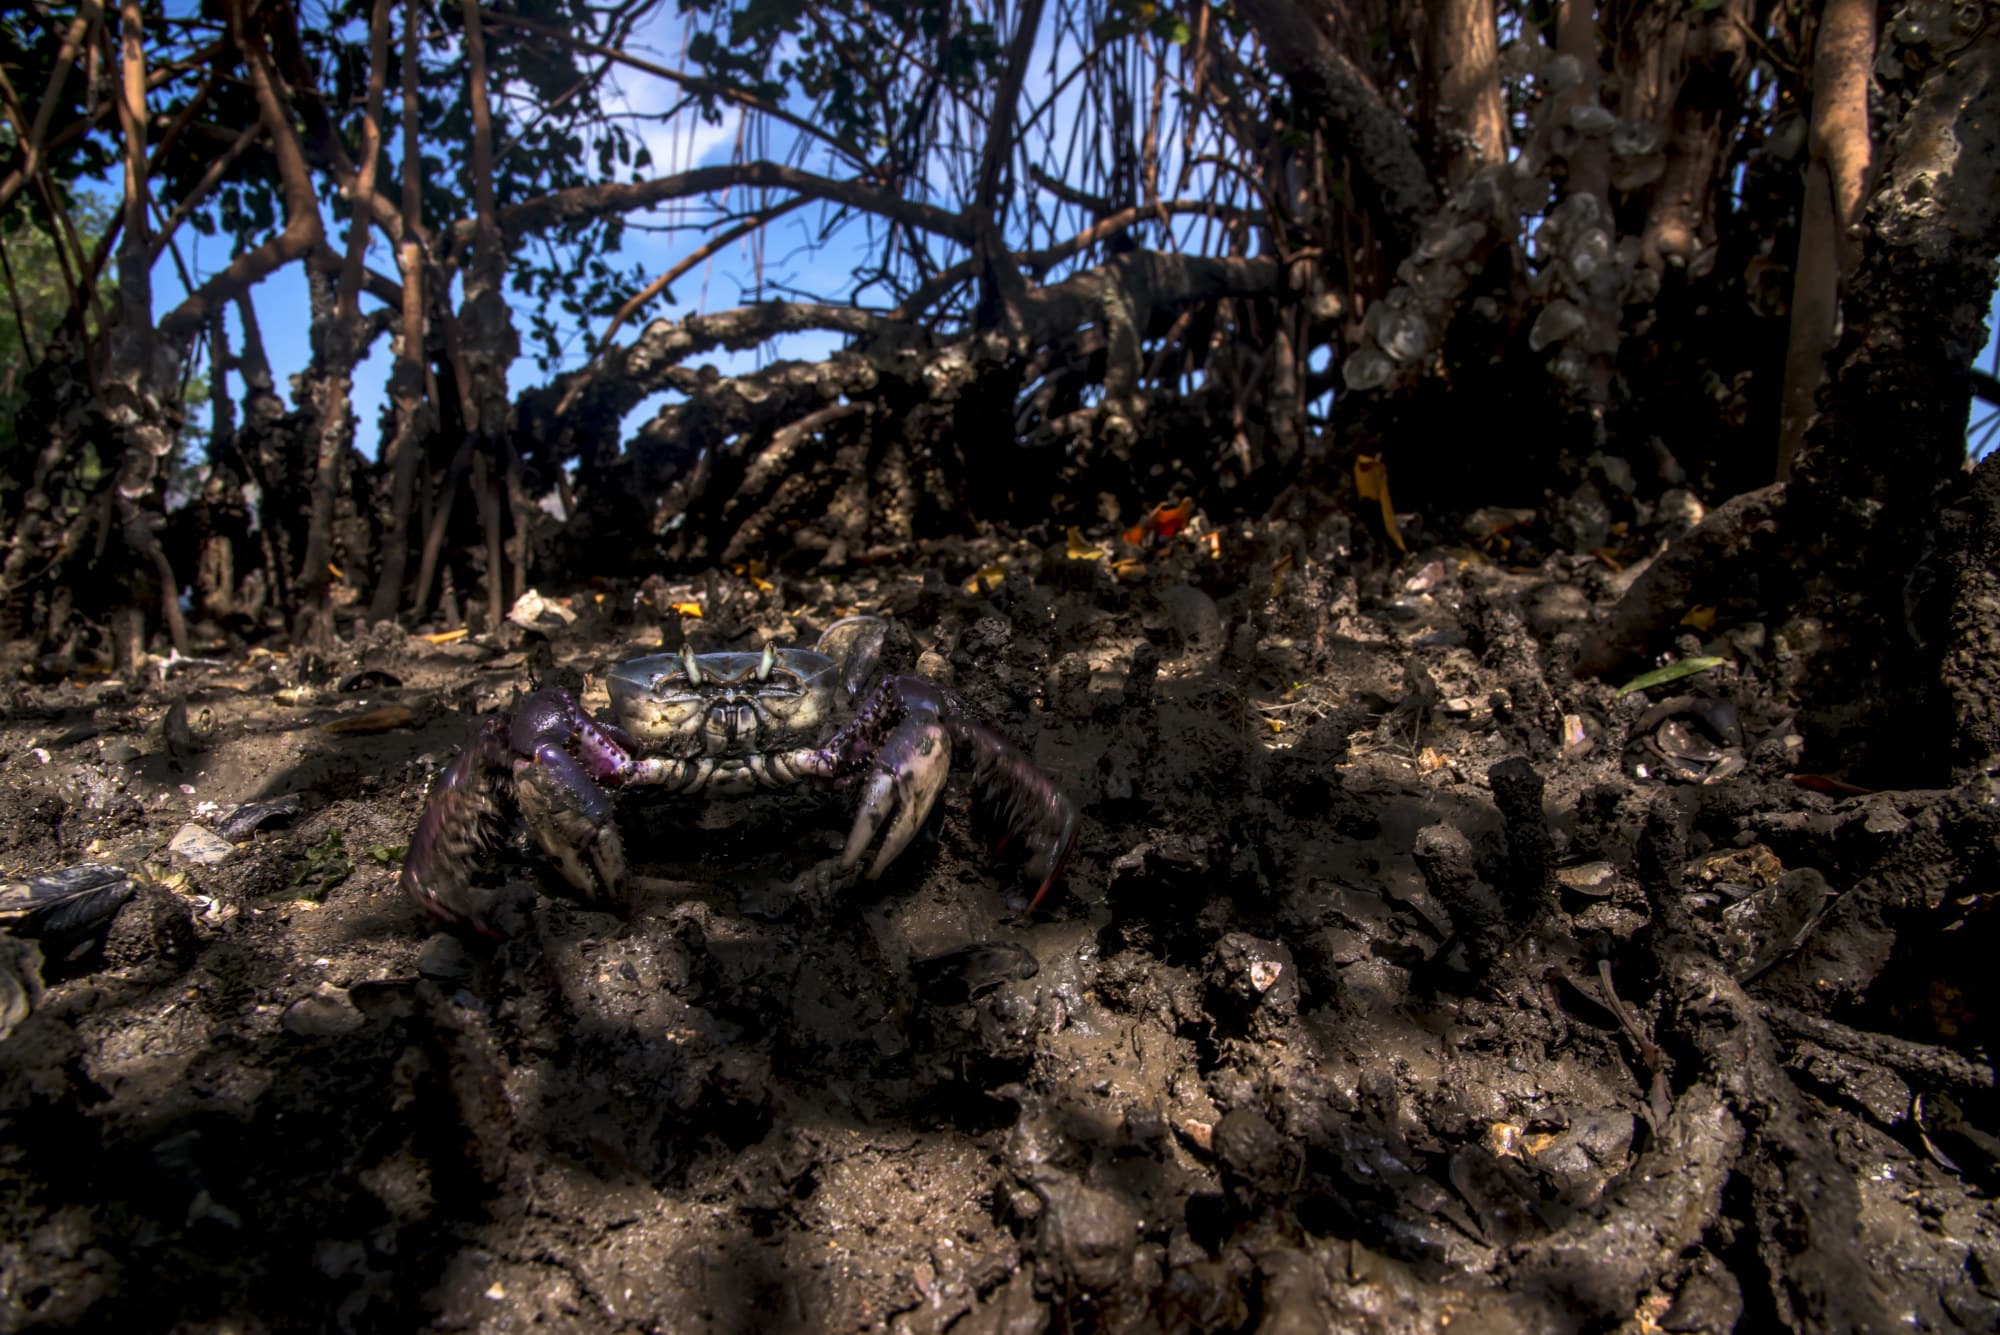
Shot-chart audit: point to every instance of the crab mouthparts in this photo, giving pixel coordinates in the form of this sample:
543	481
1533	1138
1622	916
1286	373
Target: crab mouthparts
730	727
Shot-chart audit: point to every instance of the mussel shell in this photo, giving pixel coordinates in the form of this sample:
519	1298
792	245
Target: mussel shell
247	819
64	908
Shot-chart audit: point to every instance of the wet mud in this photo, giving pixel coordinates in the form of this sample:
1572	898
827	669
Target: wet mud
1400	978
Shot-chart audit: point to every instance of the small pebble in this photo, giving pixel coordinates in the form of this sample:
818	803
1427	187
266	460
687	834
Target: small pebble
443	957
324	1014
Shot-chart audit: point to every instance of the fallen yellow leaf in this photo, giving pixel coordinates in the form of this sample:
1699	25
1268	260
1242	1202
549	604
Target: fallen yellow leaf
448	636
1371	483
754	571
1079	548
686	609
375	720
1700	618
986	578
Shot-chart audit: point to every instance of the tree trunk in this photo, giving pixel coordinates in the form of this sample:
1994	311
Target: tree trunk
337	350
415	419
139	381
1835	179
1468	121
487	342
1887	449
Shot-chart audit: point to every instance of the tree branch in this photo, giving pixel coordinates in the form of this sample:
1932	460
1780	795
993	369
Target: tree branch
596	201
1347	103
302	229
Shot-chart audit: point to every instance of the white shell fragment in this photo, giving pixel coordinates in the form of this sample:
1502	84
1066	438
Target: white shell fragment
204	848
531	611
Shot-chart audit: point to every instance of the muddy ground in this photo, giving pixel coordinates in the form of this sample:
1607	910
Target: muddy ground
1399	979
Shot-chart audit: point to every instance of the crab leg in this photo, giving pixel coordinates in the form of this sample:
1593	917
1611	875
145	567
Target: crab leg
1026	802
463	817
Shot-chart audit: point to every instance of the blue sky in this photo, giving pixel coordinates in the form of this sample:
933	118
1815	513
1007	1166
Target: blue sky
1984	418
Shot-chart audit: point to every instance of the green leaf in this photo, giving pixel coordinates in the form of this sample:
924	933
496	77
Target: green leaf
1687	667
324	866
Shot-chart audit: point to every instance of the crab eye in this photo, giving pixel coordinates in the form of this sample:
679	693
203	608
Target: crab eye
688	664
766	663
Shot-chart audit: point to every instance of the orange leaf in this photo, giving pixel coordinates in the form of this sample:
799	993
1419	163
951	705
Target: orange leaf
1160	524
686	609
1167	522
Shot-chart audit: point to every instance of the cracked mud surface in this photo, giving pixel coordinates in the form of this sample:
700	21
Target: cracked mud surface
1382	991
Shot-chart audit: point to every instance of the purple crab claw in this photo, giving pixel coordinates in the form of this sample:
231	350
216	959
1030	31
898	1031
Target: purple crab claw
571	818
910	771
545	764
912	763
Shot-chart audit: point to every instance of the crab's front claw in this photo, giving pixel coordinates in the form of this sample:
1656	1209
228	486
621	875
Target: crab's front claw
571	818
910	770
546	762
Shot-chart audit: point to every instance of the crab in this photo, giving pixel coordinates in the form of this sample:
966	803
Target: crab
723	725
